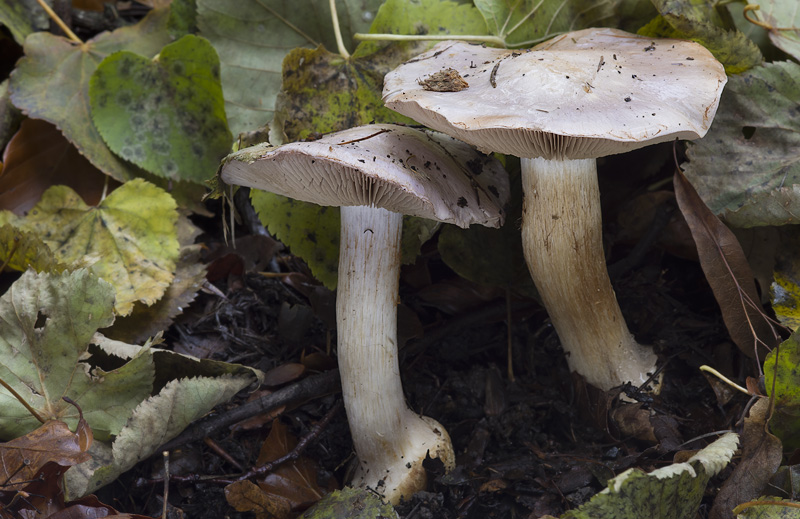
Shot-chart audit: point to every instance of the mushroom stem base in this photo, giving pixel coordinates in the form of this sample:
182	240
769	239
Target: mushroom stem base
562	240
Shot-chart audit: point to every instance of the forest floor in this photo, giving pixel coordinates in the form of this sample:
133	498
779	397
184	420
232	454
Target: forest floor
542	443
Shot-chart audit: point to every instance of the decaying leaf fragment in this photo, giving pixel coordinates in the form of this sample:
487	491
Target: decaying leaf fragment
727	271
447	80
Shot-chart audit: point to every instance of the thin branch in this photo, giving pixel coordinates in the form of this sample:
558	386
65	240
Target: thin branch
295	453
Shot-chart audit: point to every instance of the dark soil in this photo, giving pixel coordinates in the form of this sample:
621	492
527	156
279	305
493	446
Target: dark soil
541	444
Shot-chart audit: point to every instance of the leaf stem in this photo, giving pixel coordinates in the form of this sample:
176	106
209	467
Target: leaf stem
337	31
725	379
52	14
429	37
21	400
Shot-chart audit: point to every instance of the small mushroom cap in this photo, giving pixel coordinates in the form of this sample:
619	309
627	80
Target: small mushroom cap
401	169
581	95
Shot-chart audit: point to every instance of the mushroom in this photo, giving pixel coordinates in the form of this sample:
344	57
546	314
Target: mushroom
376	174
558	107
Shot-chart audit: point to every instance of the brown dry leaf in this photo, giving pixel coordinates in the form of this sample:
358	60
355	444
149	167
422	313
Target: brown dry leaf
283	374
38	157
23	457
246	496
727	271
761	456
290	489
296	480
32	466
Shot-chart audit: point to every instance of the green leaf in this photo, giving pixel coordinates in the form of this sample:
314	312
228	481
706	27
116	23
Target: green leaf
416	231
782	18
699	22
130	238
420	17
22	17
487	256
311	231
785	289
46	324
190	275
322	93
526	22
253	36
782	368
156	421
166	115
51	82
671	492
747	168
353	503
182	18
767	507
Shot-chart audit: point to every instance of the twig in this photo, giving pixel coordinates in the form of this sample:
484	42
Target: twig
166	483
307	389
295	453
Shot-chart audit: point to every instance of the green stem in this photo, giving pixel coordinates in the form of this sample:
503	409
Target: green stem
336	31
52	14
429	37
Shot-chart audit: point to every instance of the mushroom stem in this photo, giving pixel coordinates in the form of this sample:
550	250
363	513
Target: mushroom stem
391	441
562	240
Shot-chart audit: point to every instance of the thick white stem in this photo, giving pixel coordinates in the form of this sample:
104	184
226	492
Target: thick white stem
563	243
390	440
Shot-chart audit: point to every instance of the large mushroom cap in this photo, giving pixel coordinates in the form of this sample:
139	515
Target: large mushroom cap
584	94
409	171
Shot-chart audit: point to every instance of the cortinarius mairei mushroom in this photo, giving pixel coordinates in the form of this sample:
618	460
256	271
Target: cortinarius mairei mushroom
376	174
558	107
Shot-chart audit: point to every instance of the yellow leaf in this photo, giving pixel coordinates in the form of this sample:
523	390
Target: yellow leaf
130	238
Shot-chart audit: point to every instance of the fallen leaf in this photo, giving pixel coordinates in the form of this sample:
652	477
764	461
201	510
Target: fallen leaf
253	39
38	157
353	503
702	23
761	457
782	19
671	492
727	271
165	115
747	168
46	323
782	381
129	239
290	488
51	82
145	321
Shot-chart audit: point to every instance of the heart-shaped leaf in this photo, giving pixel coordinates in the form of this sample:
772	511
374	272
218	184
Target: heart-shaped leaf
165	115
